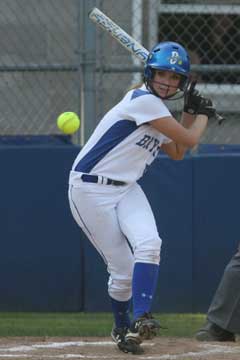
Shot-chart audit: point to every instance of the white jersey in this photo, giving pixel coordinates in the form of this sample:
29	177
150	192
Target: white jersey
124	143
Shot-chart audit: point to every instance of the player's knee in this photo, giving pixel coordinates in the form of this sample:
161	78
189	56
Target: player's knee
120	283
149	251
120	289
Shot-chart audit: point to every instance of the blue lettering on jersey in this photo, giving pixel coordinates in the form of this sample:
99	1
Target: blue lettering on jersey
149	143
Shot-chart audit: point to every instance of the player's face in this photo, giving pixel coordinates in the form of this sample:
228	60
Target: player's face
165	83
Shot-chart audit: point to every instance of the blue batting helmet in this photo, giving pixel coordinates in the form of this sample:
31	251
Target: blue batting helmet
168	56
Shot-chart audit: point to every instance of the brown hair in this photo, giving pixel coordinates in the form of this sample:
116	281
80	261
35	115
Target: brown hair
135	86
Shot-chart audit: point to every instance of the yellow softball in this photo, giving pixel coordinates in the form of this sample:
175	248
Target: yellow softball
68	122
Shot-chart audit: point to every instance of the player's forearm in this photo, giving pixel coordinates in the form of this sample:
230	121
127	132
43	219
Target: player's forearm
195	124
187	120
180	149
198	127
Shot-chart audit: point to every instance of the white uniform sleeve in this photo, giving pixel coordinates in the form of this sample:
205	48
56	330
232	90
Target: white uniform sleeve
145	108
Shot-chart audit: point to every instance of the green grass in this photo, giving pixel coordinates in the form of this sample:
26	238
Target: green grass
88	324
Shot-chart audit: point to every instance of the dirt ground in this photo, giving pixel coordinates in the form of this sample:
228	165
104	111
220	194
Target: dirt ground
161	348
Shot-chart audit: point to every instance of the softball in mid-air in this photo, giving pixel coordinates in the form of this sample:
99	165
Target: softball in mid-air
68	122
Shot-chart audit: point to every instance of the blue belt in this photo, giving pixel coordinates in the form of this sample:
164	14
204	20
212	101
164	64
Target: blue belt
101	180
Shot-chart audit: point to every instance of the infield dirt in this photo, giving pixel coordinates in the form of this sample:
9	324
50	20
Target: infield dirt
162	348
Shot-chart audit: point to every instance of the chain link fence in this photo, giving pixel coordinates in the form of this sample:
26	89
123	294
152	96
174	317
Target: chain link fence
211	33
42	47
38	58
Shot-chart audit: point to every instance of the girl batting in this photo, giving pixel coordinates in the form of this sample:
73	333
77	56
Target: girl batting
106	200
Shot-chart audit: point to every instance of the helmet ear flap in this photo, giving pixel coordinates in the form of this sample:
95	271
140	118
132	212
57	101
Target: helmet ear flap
183	83
148	73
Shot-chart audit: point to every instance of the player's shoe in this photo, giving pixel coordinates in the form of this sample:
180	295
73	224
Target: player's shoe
127	346
213	332
144	328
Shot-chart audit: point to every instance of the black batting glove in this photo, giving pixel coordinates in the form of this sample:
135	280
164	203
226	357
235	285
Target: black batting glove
206	108
196	104
192	101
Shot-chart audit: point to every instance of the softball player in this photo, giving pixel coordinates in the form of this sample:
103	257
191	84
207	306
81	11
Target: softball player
109	205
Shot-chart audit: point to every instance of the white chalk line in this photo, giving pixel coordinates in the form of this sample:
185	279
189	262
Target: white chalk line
55	345
65	356
208	349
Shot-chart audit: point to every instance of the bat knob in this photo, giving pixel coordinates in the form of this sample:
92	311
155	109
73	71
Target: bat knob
219	118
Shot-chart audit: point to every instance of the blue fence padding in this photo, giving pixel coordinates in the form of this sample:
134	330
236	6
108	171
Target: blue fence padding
40	259
35	140
216	222
95	280
168	186
218	149
47	264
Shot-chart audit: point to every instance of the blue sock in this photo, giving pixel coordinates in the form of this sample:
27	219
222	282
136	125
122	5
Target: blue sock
121	313
144	284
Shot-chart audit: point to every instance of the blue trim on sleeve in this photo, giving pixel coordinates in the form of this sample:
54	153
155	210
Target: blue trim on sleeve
138	92
114	135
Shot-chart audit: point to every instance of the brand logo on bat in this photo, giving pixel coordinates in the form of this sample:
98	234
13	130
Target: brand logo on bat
118	34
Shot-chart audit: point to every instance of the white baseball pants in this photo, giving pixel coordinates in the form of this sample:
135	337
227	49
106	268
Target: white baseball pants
111	216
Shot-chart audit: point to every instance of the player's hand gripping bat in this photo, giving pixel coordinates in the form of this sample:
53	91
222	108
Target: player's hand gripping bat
133	46
195	103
